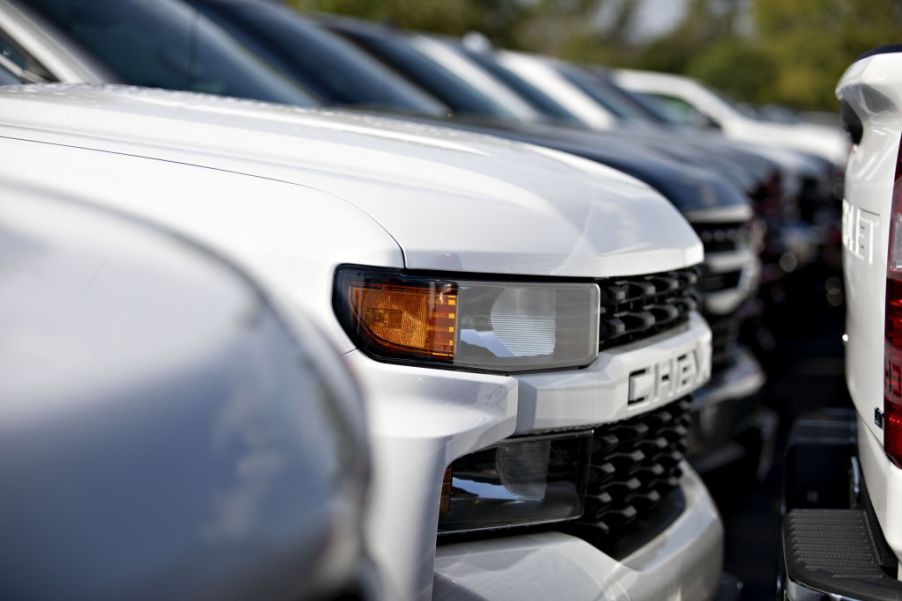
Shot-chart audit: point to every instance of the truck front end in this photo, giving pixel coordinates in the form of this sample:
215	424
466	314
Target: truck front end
564	482
522	321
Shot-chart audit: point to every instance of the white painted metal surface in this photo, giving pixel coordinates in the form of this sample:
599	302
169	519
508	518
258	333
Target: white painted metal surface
873	87
290	194
452	201
820	140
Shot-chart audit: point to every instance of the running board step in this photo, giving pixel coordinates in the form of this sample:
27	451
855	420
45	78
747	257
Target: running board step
835	552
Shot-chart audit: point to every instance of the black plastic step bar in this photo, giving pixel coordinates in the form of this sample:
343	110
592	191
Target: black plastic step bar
836	554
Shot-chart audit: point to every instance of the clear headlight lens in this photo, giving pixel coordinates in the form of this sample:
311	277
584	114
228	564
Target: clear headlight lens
536	480
485	325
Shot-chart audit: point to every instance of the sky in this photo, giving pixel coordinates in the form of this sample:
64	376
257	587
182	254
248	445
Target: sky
656	17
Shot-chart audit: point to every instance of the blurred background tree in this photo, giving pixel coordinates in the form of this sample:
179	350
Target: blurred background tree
789	52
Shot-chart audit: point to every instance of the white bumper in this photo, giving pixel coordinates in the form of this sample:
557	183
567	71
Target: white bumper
683	562
884	482
423	419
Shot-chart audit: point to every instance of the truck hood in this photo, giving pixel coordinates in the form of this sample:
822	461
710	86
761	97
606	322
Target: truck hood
691	189
452	200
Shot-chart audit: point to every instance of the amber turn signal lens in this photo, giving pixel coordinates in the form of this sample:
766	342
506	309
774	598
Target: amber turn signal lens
407	318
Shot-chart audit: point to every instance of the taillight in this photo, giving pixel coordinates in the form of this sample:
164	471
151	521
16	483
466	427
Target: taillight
892	346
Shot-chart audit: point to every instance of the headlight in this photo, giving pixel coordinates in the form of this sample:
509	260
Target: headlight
529	481
470	323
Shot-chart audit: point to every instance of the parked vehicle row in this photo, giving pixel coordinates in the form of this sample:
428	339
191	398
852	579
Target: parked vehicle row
478	312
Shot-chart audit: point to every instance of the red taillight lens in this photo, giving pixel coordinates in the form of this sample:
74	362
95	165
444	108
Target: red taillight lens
892	345
892	437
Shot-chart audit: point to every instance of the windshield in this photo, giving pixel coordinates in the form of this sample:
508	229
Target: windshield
641	107
592	86
448	55
164	44
678	111
536	98
7	77
326	65
17	66
422	71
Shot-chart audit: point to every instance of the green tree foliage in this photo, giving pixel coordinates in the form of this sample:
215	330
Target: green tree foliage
782	51
569	28
738	68
811	42
705	24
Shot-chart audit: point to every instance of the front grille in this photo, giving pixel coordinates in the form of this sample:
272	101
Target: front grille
634	465
637	307
715	282
723	237
724	340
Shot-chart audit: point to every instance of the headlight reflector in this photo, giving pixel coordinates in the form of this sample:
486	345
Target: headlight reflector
485	325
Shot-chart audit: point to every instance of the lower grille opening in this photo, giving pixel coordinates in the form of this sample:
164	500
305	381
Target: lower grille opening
716	282
724	237
634	467
631	492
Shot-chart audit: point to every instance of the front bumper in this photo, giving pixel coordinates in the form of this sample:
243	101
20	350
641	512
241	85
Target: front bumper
682	562
423	419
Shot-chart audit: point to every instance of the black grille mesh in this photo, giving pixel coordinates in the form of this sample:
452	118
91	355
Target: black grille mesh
723	237
715	282
634	465
633	308
724	340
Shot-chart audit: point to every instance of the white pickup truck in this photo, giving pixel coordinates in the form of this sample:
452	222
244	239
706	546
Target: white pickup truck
522	322
698	102
842	535
167	431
